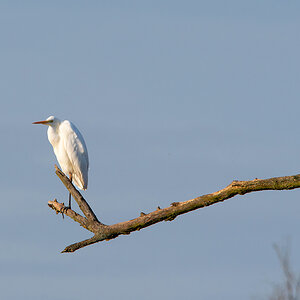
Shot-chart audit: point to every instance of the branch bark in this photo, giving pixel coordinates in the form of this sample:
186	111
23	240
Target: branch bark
106	232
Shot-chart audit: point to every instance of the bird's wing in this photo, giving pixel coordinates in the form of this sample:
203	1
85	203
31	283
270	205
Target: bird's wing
77	152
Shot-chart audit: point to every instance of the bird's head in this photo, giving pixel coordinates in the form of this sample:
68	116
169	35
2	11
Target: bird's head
51	121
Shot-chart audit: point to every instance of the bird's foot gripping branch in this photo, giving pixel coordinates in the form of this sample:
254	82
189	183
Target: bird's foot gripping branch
106	232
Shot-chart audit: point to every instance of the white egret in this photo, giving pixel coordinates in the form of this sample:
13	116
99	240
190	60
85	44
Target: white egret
70	150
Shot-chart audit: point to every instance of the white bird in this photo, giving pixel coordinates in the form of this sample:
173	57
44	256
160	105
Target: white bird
70	150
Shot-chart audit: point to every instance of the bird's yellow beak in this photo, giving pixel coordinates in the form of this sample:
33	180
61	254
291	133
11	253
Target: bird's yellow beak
42	122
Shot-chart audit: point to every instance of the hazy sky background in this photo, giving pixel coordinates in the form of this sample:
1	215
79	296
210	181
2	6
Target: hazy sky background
175	99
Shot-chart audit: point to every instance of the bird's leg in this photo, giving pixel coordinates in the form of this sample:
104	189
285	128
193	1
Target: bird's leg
70	176
67	207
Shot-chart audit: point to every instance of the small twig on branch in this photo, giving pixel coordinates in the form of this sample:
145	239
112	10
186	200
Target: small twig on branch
60	208
105	232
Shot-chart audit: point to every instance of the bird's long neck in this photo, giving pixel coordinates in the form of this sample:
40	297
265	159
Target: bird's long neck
53	135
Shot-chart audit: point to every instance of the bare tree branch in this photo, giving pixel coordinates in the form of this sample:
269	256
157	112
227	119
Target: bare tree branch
289	290
83	205
105	232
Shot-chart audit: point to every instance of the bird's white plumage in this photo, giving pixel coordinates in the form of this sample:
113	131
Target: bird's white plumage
70	149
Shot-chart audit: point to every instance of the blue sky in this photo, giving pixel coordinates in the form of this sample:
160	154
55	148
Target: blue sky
175	99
